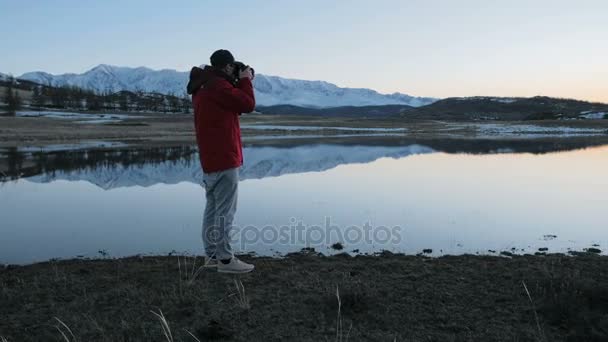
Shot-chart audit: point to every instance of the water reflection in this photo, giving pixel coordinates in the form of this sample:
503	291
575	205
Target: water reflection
16	164
128	202
124	166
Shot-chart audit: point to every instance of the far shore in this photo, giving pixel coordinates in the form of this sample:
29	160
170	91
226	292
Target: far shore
154	129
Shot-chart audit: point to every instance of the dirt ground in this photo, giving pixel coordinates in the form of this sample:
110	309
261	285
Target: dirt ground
308	297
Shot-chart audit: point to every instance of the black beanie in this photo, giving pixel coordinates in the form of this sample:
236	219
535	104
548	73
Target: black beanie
221	58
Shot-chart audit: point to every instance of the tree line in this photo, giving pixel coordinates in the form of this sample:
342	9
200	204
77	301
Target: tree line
75	98
11	97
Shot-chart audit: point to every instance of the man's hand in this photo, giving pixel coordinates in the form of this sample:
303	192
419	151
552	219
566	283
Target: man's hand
246	74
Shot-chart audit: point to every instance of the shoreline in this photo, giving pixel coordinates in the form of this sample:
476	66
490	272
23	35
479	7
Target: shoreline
329	251
383	297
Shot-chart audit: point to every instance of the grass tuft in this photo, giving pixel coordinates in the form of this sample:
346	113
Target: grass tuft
339	319
61	328
190	271
164	325
191	334
240	297
541	335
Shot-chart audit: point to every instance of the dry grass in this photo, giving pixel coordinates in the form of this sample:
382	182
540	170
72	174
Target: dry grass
63	328
320	298
188	272
166	329
339	324
164	325
192	335
240	297
339	319
541	335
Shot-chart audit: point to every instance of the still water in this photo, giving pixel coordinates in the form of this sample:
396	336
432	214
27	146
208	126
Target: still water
405	198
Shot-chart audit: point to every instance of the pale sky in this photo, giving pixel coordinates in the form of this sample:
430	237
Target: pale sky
437	48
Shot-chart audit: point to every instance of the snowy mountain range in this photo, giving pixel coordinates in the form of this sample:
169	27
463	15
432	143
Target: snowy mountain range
259	162
270	90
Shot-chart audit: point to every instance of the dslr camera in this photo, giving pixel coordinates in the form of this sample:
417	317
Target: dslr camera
240	66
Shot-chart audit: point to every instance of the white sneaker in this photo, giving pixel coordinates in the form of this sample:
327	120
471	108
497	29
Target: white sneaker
210	262
234	266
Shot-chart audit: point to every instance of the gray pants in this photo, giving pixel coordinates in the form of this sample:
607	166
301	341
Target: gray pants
221	190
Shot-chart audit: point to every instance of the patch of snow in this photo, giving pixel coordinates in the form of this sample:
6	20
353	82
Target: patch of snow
316	128
533	131
593	115
503	150
100	121
73	115
315	136
68	147
490	98
503	100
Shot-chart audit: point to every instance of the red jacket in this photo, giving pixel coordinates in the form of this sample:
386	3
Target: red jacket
217	105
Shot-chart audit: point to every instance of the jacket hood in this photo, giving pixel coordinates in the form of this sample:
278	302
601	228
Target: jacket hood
201	76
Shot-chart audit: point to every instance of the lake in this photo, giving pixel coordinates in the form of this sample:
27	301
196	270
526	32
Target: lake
441	197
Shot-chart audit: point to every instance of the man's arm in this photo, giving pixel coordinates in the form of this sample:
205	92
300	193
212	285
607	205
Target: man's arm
240	98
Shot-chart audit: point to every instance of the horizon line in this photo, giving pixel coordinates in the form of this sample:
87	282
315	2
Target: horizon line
306	80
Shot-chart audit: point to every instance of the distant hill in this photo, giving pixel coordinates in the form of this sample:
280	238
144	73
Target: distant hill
464	109
500	108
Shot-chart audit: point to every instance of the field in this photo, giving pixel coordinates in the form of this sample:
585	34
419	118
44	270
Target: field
174	129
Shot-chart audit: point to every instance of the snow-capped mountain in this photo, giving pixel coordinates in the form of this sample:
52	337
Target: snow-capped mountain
274	90
112	78
270	90
259	162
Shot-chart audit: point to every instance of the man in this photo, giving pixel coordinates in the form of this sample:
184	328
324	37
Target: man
218	100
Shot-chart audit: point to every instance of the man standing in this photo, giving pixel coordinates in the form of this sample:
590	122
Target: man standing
218	99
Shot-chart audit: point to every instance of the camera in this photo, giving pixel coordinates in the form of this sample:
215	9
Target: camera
240	66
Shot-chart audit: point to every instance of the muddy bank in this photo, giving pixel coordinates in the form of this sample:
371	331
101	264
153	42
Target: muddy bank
382	298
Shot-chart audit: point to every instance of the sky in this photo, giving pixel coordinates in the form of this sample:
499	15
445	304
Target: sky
437	48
